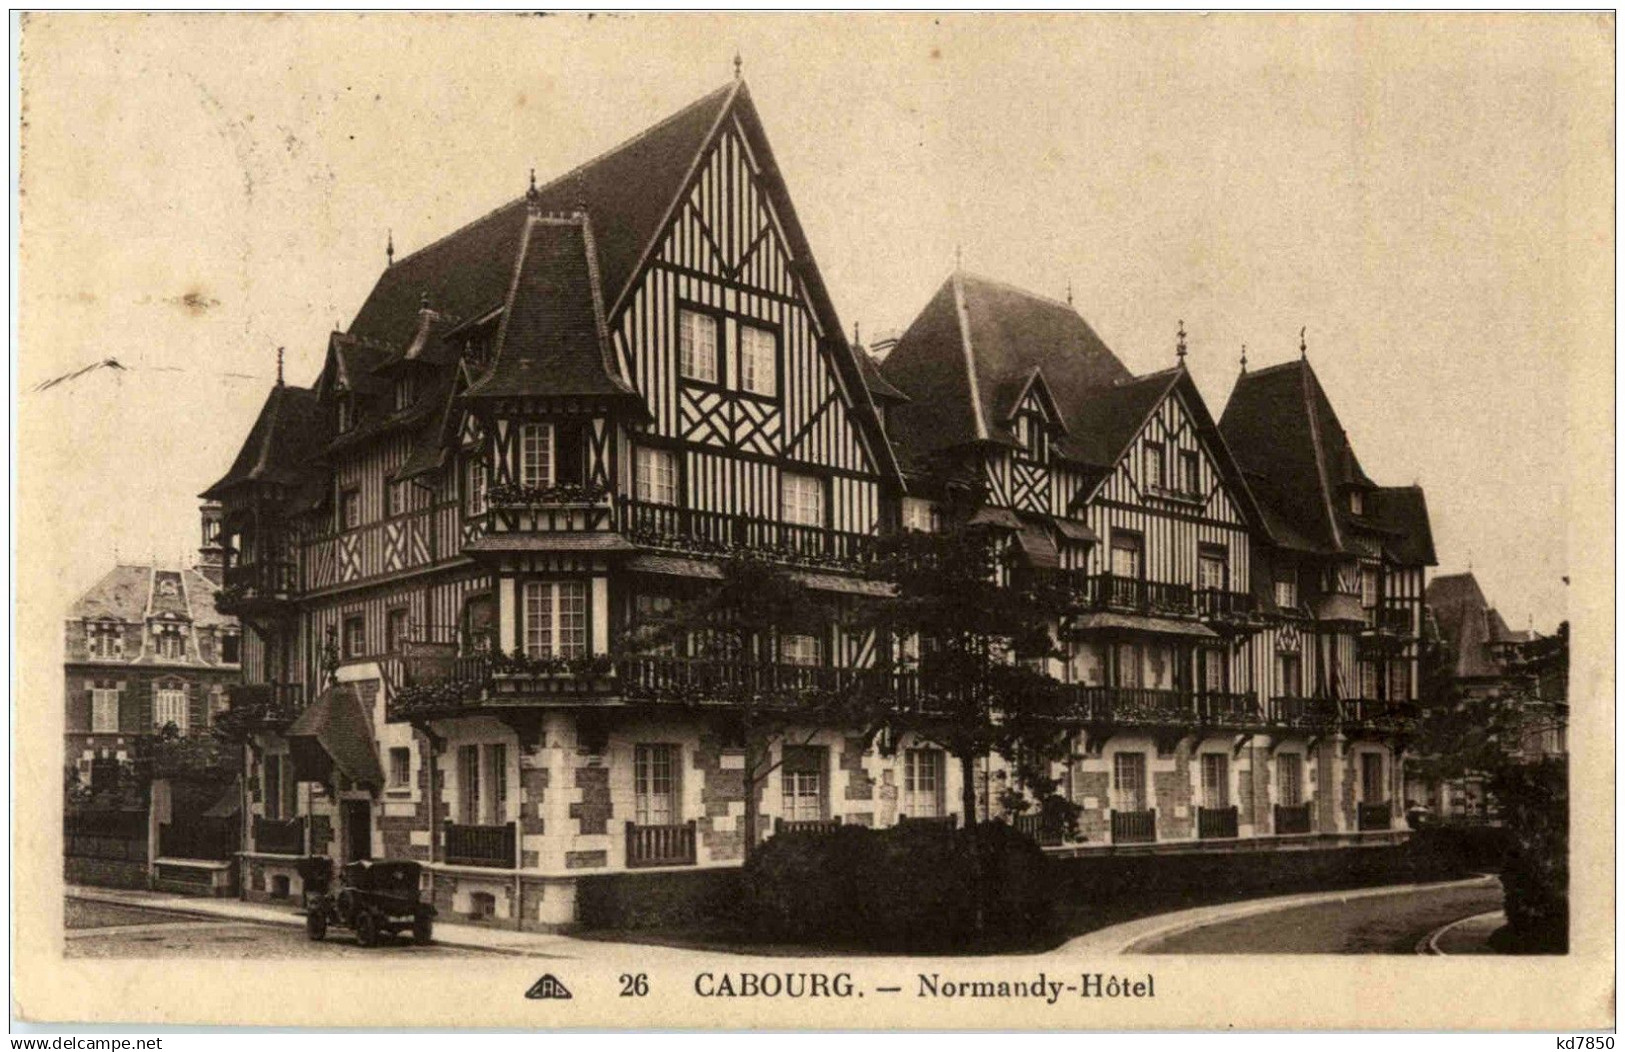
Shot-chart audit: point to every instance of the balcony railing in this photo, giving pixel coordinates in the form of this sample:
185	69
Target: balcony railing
1216	823
811	826
1045	830
1134	827
1291	819
487	846
668	845
718	533
1110	592
1228	709
1377	714
1132	705
1375	816
1391	620
273	836
256	706
1314	713
243	586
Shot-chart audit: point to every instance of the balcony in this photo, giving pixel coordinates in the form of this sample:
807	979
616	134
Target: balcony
1306	713
258	588
1228	710
1137	706
274	836
261	707
662	845
711	533
1390	620
1134	827
808	826
1045	830
1130	594
1292	819
1227	609
547	509
1378	715
1216	823
492	846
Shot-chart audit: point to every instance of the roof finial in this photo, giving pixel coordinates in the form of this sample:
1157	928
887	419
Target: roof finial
1069	292
532	195
1303	342
389	250
1179	351
959	257
857	333
1244	357
279	366
739	64
423	300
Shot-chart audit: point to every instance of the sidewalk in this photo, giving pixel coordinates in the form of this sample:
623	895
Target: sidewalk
1132	936
468	936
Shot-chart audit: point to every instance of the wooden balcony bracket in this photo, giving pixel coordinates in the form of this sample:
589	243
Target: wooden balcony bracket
1239	744
1168	742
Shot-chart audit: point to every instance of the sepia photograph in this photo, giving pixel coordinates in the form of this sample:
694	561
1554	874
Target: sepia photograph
731	520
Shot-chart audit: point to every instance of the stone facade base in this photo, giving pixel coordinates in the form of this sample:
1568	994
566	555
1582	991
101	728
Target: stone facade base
502	899
271	878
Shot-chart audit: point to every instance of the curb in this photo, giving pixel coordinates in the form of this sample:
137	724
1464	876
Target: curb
1428	945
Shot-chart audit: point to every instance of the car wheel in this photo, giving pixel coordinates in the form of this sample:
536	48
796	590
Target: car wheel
366	929
316	925
423	931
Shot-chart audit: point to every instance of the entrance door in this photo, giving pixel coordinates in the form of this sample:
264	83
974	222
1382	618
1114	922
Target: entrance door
357	830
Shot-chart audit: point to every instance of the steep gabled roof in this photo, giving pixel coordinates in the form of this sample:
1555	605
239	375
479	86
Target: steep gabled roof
1105	420
630	189
979	341
553	340
1463	615
288	432
1401	512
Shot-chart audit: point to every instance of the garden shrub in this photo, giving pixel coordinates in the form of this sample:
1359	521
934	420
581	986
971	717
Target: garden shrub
1535	877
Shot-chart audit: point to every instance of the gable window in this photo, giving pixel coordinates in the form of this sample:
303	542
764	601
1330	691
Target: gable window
105	640
1215	780
104	709
919	515
355	635
536	455
758	361
1155	475
394	498
656	475
394	630
404	393
1128	781
1356	502
654	784
802	500
1037	439
1289	778
802	777
169	706
474	487
555	619
1212	569
349	509
922	783
231	649
400	767
1127	555
346	412
1190	471
697	346
801	649
1286	592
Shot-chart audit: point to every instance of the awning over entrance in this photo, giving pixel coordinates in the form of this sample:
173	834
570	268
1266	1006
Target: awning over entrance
1165	626
334	732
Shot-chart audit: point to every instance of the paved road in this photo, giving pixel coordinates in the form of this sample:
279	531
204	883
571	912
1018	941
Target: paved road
1379	924
99	929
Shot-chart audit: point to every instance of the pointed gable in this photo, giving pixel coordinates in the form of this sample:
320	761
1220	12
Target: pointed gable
288	432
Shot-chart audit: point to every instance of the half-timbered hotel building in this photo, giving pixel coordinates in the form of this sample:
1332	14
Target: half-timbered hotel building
542	430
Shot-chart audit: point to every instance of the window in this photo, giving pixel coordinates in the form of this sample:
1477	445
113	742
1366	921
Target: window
1127	555
349	509
231	648
654	777
104	710
394	498
355	635
651	611
1215	780
758	361
1155	478
555	619
218	702
697	346
1399	680
1368	679
922	783
468	780
405	390
1368	592
1190	471
536	455
802	497
1289	675
1128	781
482	773
400	768
346	412
496	767
1356	502
170	643
1087	664
1128	665
799	649
1372	790
1214	669
1286	592
656	475
394	630
1212	569
169	706
802	776
474	487
920	515
1289	778
1038	440
271	777
104	640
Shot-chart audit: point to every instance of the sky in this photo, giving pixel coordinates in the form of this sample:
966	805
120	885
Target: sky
1429	197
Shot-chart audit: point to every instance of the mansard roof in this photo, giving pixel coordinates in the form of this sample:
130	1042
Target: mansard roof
974	347
130	593
289	431
1282	428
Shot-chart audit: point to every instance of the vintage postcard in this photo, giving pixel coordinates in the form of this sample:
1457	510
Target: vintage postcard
829	521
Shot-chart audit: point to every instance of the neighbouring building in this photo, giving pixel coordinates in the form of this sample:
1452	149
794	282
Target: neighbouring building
545	427
1487	659
146	647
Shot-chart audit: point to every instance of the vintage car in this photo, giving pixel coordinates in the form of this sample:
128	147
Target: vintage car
373	899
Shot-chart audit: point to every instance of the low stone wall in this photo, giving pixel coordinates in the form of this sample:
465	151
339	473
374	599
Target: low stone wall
105	872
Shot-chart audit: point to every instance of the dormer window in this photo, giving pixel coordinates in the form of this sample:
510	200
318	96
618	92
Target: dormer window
1356	502
405	392
168	641
346	413
167	589
1156	475
104	640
